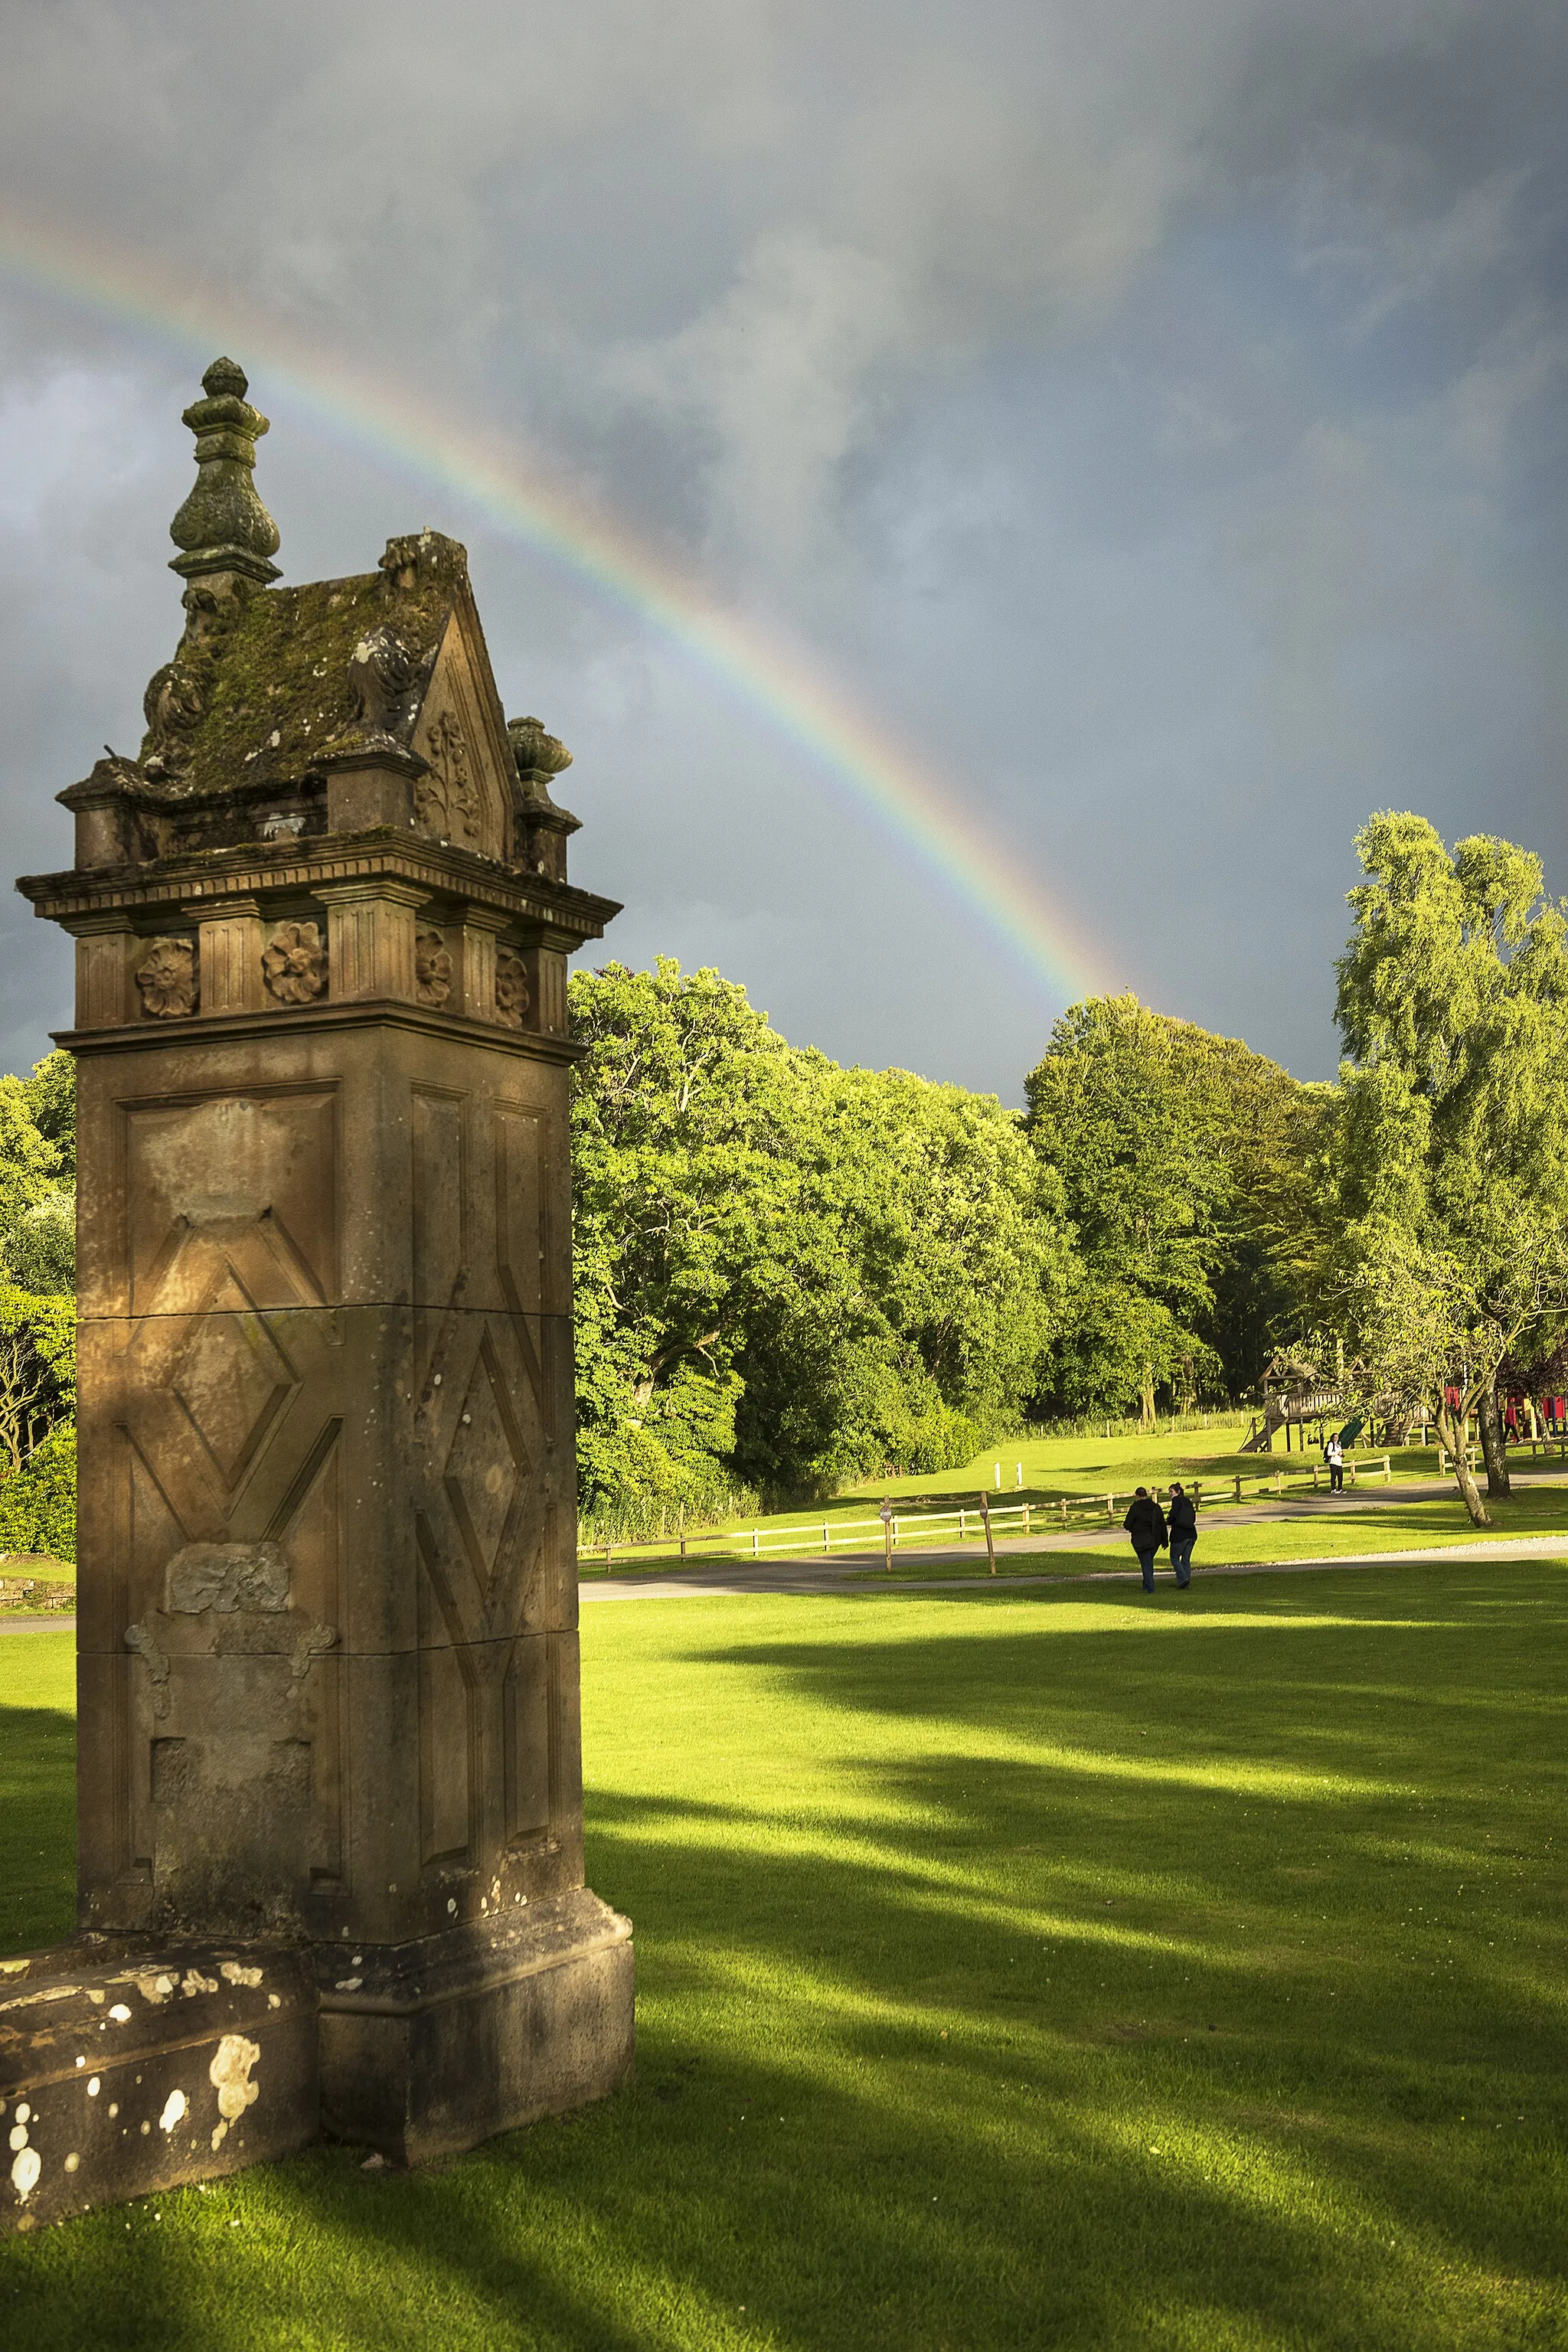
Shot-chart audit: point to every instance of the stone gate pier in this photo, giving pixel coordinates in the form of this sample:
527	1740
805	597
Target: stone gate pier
329	1799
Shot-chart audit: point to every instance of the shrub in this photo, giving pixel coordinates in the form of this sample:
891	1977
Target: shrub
38	1502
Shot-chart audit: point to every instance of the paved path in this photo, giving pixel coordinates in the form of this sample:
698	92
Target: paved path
56	1623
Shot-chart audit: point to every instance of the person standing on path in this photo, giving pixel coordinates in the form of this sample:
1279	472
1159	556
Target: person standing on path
1145	1523
1182	1523
1335	1455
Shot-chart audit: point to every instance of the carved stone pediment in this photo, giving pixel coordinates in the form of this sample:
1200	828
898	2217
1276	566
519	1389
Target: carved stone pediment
464	795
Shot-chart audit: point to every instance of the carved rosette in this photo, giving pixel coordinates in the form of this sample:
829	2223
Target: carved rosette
445	798
432	968
166	977
512	999
294	963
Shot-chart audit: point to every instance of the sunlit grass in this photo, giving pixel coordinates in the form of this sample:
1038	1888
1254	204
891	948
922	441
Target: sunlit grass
1066	1971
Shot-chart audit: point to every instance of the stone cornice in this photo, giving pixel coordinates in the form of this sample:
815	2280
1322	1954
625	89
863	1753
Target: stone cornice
204	1030
265	869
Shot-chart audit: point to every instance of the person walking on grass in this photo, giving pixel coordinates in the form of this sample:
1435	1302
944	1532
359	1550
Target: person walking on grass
1335	1455
1182	1524
1145	1523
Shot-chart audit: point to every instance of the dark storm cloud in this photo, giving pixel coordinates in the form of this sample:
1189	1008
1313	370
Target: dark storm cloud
1154	415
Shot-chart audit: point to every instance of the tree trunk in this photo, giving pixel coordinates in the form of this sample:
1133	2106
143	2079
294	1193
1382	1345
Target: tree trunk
1448	1431
1493	1447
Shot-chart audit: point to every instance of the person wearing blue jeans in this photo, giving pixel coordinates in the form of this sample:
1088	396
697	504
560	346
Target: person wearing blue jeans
1182	1522
1145	1523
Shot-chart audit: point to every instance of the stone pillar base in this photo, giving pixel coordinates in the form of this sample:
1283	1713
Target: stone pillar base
429	2047
128	2067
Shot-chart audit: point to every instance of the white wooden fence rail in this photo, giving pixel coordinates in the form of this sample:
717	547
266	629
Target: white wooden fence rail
825	1536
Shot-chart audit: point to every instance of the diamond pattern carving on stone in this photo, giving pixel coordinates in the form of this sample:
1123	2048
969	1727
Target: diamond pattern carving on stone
487	1467
213	1381
259	1170
232	1377
484	1552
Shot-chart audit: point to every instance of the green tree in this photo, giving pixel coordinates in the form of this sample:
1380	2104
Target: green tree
37	1505
1451	1148
1187	1163
787	1272
37	1191
52	1100
37	1371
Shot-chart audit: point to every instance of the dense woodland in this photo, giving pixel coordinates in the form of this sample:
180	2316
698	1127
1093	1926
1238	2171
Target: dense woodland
791	1275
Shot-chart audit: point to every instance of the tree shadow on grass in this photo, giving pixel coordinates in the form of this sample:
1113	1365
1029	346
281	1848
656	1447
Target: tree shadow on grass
983	2018
38	1826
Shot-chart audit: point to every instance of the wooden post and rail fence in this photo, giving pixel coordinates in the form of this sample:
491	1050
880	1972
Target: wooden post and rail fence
980	1517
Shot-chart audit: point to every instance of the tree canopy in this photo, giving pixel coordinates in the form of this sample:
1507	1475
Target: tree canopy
37	1178
789	1273
1451	1163
1189	1169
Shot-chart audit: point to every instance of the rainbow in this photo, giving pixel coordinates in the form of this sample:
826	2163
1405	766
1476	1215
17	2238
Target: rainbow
757	666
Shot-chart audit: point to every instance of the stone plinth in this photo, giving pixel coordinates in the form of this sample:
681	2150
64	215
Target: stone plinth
127	2066
327	1585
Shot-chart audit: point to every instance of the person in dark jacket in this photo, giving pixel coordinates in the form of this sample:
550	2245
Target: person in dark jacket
1182	1523
1145	1523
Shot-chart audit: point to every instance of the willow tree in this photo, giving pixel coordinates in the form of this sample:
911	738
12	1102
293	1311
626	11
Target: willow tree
1452	1140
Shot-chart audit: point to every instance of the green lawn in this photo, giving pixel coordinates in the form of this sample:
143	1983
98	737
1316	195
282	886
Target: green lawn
1016	1970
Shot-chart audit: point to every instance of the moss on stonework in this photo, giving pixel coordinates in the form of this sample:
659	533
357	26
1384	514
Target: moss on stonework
282	698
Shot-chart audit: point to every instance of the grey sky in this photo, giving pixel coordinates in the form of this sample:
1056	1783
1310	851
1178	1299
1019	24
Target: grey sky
1152	417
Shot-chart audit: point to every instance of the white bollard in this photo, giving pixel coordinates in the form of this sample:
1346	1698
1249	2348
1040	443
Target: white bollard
1020	1478
999	1470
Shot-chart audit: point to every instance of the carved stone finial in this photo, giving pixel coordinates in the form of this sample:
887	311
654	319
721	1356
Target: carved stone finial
537	752
223	525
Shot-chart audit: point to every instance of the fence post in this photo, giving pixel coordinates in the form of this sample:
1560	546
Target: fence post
1111	1510
754	1543
1239	1486
1387	1470
961	1527
1064	1510
1279	1482
990	1538
825	1542
683	1543
607	1550
1026	1518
